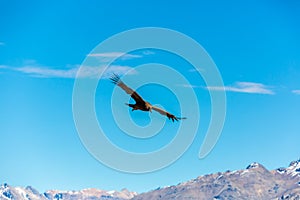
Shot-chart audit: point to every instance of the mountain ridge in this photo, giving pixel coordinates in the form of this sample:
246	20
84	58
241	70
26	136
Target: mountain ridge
253	182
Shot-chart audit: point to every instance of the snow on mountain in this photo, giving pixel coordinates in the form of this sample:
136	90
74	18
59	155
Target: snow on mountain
91	193
15	193
253	165
293	169
253	183
29	193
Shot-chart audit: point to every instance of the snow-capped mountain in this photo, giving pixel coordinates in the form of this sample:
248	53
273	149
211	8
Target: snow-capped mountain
7	192
91	193
293	169
253	183
18	193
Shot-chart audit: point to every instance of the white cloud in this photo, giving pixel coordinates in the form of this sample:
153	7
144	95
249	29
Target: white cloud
46	72
35	70
93	72
296	92
3	67
245	87
190	86
108	55
148	52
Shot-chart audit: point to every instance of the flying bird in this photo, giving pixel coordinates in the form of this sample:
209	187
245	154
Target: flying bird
140	103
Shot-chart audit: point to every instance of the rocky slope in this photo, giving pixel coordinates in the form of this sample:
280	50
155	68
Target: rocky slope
255	182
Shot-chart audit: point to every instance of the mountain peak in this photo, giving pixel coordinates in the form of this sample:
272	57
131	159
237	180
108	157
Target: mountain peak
253	165
295	163
293	169
4	185
257	166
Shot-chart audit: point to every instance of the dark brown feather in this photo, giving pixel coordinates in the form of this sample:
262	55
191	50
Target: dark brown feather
141	104
116	80
169	115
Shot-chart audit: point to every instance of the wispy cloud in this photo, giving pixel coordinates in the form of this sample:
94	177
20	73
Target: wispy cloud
190	86
148	52
3	66
46	72
245	87
296	92
110	55
36	70
93	72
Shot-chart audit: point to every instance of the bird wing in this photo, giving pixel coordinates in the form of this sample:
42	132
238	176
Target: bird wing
169	115
116	80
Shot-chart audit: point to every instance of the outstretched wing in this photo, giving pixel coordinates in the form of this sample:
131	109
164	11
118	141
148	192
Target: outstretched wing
116	80
169	115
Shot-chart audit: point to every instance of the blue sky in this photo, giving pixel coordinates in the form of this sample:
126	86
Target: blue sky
255	45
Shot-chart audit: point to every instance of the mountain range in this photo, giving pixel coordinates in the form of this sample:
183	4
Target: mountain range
255	182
